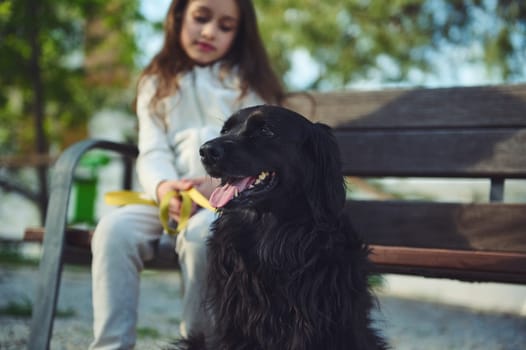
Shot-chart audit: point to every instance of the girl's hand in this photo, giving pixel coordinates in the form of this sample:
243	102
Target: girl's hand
174	206
205	185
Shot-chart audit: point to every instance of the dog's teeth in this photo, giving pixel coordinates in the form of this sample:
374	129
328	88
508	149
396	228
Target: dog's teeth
263	175
236	193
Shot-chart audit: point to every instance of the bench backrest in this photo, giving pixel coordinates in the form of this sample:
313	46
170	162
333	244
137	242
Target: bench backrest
465	132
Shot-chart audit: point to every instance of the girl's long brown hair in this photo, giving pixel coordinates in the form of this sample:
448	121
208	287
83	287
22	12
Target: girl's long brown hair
247	54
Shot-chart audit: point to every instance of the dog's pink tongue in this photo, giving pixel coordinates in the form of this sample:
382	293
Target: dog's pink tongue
222	195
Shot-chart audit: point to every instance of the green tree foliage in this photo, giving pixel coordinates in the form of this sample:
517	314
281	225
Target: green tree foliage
60	61
349	40
84	52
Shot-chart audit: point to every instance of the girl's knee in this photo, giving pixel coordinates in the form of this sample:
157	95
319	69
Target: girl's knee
111	234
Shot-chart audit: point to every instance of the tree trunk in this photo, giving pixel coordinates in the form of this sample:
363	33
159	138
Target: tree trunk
33	9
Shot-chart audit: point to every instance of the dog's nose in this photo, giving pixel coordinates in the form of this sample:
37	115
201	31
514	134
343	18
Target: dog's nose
211	152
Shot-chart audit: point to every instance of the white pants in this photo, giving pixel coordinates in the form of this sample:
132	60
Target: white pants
122	241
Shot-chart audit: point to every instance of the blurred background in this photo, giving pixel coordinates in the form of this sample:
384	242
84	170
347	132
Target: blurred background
68	66
68	70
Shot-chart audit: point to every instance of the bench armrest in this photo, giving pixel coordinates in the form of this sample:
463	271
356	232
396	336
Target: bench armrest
53	246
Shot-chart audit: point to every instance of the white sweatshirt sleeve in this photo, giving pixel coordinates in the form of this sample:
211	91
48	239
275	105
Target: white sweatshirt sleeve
155	161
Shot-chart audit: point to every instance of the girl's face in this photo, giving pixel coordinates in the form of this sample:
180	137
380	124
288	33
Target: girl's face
209	28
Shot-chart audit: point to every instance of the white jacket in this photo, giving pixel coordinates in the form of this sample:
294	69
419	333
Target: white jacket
192	116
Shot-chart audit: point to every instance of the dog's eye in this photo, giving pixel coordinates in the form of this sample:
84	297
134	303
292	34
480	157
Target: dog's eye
224	130
265	131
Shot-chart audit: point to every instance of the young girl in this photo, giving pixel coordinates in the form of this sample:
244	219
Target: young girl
212	63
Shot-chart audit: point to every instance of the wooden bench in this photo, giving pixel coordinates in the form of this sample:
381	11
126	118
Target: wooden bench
469	132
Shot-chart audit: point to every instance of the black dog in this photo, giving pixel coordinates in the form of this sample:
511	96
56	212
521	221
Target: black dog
286	269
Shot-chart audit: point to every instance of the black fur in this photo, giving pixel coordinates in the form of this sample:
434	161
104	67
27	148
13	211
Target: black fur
286	269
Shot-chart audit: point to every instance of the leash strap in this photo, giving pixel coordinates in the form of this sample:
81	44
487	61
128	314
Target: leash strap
120	198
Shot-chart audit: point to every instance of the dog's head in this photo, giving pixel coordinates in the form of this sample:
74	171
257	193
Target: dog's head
269	156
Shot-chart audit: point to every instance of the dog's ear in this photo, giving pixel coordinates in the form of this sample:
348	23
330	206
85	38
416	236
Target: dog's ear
323	183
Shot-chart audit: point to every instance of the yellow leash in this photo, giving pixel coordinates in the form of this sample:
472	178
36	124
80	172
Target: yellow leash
187	197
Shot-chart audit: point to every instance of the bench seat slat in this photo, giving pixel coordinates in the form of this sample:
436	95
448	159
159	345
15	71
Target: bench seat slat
74	236
453	259
434	153
499	227
77	251
461	265
479	106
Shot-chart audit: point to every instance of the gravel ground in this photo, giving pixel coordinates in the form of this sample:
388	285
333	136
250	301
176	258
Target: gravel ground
407	323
